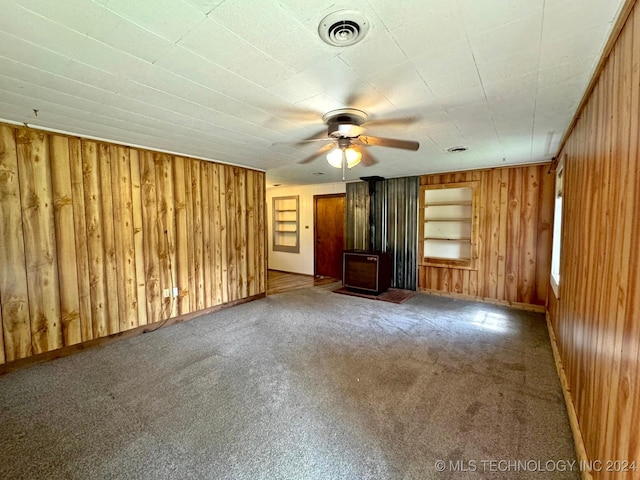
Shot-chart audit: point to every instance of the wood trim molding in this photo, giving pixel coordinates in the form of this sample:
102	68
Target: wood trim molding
150	328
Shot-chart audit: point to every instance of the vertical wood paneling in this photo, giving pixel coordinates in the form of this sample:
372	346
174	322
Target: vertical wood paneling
81	240
208	232
188	302
108	240
222	244
216	244
94	222
241	233
514	235
39	240
181	242
138	236
150	236
93	234
262	231
544	238
124	238
251	232
14	296
596	319
166	232
515	208
231	237
198	234
65	240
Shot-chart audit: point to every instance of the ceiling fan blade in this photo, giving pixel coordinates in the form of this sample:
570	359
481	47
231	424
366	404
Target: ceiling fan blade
321	135
391	122
322	150
367	159
389	142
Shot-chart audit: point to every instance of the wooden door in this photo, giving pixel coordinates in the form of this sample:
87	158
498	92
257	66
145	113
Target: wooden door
329	216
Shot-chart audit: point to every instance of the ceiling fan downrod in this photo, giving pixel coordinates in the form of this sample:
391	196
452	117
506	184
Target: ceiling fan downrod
344	163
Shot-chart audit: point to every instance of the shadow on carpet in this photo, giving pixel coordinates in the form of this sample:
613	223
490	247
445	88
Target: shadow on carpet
393	295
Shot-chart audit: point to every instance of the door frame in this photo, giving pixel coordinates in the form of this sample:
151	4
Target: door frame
315	225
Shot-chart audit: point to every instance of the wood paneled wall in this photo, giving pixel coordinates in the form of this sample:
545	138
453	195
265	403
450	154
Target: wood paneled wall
514	250
596	319
93	234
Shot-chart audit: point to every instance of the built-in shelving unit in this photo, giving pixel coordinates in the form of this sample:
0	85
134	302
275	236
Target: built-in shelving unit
447	224
286	220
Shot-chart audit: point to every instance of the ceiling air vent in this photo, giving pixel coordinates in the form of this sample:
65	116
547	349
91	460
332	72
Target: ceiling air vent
343	28
457	149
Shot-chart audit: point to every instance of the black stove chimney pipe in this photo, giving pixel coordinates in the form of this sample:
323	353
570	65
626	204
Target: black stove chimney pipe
372	211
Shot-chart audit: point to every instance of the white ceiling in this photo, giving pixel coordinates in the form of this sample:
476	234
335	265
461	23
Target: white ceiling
240	81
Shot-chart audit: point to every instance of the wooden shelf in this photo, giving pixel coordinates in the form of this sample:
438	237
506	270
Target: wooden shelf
448	203
466	240
457	220
286	236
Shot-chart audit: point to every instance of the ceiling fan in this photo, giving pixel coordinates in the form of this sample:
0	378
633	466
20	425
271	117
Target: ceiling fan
347	147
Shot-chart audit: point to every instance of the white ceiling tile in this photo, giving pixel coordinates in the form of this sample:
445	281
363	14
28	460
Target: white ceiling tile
582	15
38	30
205	6
296	47
169	19
510	67
482	16
107	58
428	33
576	47
397	81
197	69
520	86
400	13
224	48
372	55
523	34
243	84
78	15
127	37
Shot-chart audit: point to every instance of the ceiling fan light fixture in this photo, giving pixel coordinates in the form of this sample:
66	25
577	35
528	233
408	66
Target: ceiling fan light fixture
334	157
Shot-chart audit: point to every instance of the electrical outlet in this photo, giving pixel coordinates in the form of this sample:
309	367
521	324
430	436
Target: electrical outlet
175	291
166	293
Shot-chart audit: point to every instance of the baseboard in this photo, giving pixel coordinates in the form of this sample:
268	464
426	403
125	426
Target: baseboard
134	332
581	451
503	303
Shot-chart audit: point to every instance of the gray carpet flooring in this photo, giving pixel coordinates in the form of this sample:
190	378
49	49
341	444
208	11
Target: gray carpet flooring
302	385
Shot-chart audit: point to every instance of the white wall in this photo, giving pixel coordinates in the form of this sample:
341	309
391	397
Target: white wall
298	262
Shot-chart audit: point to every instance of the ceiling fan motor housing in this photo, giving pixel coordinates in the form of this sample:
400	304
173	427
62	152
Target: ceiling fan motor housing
344	122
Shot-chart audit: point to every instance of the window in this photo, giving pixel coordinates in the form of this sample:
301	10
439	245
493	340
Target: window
286	236
448	224
557	231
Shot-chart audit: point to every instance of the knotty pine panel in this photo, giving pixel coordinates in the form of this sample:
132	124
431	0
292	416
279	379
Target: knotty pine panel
596	319
41	262
93	235
514	241
14	297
